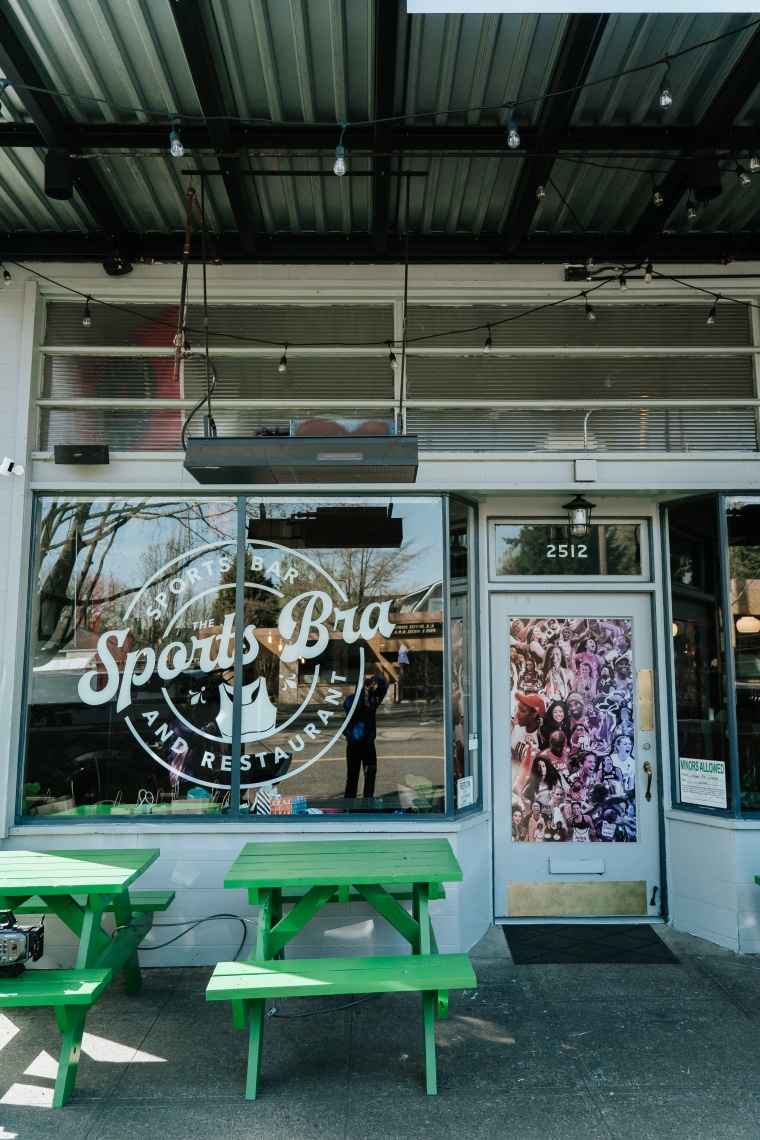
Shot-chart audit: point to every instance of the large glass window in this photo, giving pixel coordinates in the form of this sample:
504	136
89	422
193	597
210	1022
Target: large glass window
143	699
465	741
703	776
743	521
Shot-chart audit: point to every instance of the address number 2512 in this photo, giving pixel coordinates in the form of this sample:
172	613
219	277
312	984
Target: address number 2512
566	550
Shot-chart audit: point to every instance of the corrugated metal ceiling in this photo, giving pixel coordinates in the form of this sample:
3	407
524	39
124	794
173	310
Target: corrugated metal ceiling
296	70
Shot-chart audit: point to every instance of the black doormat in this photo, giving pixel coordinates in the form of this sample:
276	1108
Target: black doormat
568	944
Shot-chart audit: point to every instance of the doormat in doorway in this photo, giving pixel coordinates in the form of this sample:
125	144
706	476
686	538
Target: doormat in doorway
532	945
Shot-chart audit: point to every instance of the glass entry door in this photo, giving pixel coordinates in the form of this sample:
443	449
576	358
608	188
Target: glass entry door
576	770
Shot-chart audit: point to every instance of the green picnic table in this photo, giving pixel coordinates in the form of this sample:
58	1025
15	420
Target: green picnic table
79	887
309	874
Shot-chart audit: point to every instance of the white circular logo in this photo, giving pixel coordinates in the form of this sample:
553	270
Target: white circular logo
170	669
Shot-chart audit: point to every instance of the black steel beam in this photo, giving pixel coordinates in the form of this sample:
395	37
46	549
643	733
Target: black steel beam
579	45
54	130
439	249
200	43
732	97
150	137
386	49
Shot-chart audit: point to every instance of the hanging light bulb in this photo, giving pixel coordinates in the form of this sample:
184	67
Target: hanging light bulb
648	271
392	357
657	198
666	97
711	314
283	365
86	319
540	191
489	343
339	166
590	315
754	161
175	142
623	284
742	175
6	276
513	135
691	211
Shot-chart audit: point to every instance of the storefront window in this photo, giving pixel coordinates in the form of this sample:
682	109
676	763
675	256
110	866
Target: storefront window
743	519
465	742
343	702
142	699
130	644
701	687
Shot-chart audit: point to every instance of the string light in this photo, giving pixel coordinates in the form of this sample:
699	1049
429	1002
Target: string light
283	365
86	318
711	314
6	276
392	357
176	148
691	211
590	315
742	175
513	135
489	343
657	198
540	192
589	268
754	162
648	271
623	284
666	97
339	166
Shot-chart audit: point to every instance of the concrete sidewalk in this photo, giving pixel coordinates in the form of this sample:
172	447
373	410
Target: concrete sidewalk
536	1052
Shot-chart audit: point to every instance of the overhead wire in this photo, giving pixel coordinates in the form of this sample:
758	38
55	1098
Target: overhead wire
666	60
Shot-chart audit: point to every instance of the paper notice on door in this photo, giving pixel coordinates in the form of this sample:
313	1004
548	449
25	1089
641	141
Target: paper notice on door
703	782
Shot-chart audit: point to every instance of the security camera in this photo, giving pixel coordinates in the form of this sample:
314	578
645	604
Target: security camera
8	467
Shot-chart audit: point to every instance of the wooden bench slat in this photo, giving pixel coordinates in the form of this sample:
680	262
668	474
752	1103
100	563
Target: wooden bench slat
53	987
139	900
309	976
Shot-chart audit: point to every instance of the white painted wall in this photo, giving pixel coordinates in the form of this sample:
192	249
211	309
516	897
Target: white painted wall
195	857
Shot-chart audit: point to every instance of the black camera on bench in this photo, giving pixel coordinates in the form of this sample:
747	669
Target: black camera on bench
18	944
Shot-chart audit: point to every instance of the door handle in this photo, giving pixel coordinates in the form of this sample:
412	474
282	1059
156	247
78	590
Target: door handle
648	770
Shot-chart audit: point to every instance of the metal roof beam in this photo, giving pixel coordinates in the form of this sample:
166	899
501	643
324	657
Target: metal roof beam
308	137
579	45
733	95
54	131
200	45
386	49
339	249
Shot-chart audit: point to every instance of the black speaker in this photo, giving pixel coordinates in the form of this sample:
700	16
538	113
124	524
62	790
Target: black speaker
89	453
59	174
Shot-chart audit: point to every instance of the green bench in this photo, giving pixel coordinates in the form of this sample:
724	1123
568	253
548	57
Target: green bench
71	993
140	901
250	983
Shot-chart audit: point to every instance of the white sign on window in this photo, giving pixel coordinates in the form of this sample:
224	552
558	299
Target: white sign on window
703	782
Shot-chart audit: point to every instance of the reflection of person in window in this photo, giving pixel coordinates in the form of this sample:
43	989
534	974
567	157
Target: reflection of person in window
360	736
402	669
